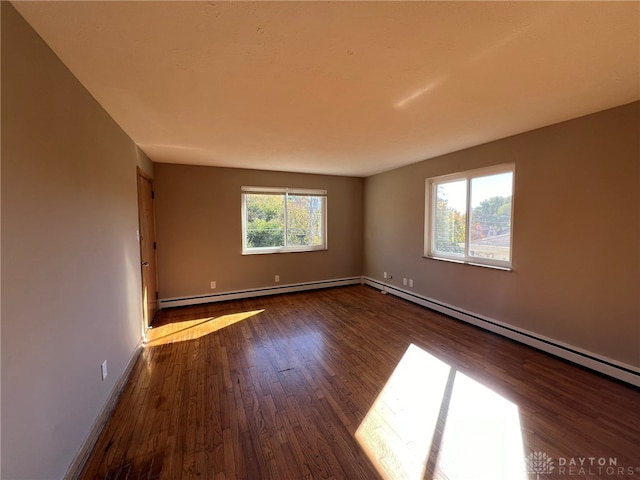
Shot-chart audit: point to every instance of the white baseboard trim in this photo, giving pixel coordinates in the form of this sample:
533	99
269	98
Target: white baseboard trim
78	463
607	366
257	292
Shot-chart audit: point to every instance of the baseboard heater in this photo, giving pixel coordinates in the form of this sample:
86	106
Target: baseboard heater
607	366
257	292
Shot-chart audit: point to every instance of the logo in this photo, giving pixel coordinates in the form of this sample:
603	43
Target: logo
539	463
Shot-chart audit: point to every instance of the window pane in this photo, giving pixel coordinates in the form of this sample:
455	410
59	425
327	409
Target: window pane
450	217
490	223
265	220
304	220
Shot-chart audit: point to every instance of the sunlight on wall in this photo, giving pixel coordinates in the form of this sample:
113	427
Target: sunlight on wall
192	329
431	419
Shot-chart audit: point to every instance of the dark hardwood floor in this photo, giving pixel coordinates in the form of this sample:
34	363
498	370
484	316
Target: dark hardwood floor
347	383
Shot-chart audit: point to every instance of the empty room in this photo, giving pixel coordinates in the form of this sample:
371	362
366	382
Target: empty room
320	240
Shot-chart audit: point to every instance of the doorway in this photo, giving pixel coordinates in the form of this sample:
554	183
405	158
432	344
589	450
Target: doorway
148	260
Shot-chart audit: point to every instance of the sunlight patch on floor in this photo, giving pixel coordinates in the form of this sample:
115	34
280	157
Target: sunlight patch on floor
192	329
397	431
431	421
482	438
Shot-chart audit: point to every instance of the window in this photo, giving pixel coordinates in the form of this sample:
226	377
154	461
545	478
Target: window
469	216
276	220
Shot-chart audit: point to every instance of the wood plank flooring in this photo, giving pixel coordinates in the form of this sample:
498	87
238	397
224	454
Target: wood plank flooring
347	383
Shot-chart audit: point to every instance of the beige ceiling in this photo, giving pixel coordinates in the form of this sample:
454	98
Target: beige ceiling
348	88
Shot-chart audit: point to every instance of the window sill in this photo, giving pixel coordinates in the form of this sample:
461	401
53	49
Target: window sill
267	251
467	262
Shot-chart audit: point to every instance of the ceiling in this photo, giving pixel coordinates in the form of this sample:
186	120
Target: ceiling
344	88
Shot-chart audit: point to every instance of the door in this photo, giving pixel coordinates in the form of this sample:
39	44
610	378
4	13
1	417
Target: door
147	225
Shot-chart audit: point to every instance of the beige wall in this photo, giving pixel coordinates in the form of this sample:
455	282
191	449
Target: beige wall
199	231
70	259
576	255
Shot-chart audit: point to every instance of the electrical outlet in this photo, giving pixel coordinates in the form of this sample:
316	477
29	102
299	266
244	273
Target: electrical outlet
213	285
103	369
385	274
404	282
277	278
411	282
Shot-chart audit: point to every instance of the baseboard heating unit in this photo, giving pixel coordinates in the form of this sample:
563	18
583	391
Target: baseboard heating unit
257	292
604	365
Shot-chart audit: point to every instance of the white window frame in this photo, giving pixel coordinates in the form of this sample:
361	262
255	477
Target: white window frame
430	205
284	191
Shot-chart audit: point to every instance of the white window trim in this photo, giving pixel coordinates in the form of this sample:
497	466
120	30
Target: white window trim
429	231
283	191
